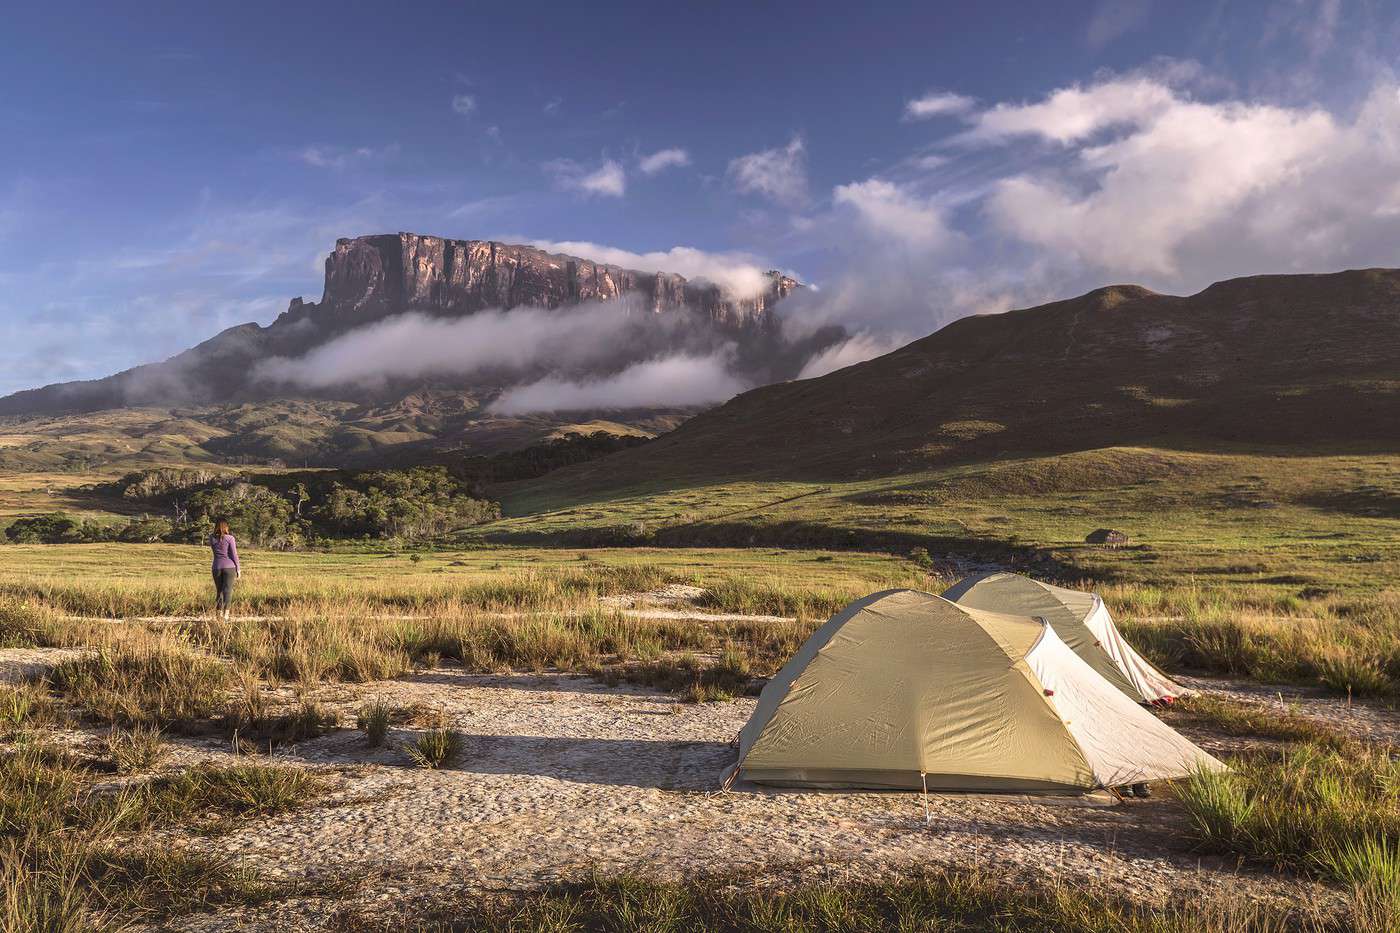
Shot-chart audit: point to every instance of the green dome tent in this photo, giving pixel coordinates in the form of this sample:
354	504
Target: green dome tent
1082	622
903	689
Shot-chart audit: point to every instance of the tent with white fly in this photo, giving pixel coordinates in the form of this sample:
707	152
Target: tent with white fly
903	689
1082	622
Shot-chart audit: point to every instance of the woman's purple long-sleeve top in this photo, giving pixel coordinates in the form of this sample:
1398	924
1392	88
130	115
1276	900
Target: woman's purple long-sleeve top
225	552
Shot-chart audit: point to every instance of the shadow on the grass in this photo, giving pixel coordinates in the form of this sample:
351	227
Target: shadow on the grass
664	765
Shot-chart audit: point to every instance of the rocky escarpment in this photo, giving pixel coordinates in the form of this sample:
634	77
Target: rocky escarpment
374	276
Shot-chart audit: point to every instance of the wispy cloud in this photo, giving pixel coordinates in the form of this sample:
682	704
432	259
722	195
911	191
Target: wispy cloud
1113	19
338	157
464	104
937	104
663	159
779	174
607	180
895	212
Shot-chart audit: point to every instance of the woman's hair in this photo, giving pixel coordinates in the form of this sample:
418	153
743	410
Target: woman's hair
220	528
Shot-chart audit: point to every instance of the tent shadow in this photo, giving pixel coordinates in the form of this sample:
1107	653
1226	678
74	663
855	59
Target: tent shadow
662	765
548	682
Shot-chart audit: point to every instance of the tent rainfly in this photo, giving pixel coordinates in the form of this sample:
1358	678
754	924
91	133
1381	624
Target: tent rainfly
1082	622
908	690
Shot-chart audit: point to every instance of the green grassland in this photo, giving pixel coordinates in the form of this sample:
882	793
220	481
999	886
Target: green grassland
1279	568
1289	520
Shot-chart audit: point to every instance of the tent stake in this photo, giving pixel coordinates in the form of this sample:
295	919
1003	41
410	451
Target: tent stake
923	779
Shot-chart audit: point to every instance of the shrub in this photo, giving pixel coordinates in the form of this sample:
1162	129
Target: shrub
56	528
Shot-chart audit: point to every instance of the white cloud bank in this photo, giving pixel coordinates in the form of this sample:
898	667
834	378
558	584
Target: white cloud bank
1157	184
672	382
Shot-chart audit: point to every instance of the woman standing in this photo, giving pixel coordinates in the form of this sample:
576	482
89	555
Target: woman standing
226	568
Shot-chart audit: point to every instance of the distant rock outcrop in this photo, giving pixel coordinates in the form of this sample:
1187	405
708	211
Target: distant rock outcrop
373	277
1107	536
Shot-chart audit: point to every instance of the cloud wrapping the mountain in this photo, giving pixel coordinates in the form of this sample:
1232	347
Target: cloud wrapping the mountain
739	274
669	382
415	346
855	349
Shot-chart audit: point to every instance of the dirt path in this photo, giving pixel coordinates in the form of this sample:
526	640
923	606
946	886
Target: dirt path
1369	721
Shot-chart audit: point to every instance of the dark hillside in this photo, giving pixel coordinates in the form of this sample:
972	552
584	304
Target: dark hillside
1309	361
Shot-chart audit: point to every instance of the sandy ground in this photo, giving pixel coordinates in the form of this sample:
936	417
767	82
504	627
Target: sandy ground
562	776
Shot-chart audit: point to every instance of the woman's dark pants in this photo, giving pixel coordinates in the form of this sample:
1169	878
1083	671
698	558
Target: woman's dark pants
223	586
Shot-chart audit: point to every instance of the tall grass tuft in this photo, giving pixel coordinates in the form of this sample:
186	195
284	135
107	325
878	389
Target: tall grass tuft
145	683
373	720
1313	809
435	748
137	749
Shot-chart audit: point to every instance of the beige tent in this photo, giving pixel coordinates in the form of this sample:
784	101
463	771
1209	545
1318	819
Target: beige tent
1082	622
904	689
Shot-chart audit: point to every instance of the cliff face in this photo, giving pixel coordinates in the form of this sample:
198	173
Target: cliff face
373	276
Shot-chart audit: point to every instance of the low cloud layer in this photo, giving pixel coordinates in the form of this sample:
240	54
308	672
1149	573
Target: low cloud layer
614	354
856	349
670	382
489	343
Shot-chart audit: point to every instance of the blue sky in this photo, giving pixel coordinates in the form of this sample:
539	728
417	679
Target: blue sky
169	170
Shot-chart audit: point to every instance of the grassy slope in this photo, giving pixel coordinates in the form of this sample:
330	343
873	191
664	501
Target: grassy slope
294	431
1298	520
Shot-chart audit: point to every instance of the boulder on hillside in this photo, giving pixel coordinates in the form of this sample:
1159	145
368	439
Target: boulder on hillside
1107	536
